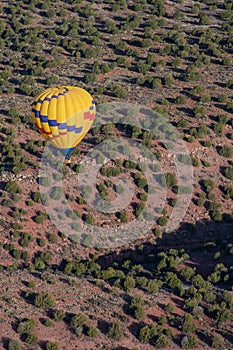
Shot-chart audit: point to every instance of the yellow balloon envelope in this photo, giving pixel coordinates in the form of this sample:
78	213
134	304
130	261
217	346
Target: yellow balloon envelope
63	115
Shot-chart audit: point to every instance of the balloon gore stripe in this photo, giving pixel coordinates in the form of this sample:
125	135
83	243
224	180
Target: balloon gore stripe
62	126
43	131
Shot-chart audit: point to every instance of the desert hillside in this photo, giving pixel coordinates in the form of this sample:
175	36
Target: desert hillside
165	61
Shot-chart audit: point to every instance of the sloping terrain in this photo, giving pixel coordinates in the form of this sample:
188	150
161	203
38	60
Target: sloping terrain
164	290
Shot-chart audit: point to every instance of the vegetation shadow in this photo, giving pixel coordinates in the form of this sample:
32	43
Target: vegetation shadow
5	342
103	326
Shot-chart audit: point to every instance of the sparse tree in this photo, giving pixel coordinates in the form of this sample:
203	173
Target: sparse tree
14	344
115	330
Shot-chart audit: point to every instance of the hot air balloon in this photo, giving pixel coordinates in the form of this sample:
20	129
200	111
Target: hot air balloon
63	115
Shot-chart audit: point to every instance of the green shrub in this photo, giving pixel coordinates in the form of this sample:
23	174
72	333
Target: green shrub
218	127
48	322
142	67
192	73
92	331
180	100
199	111
39	264
229	84
25	89
41	242
142	182
50	13
44	300
111	27
227	297
141	281
56	192
223	118
154	286
226	151
195	161
136	307
25	239
13	187
189	342
52	346
162	342
129	283
187	272
195	9
217	342
169	308
14	344
58	315
229	172
31	338
147	332
143	196
41	217
14	112
52	238
188	324
29	203
208	185
53	80
119	91
223	316
170	179
139	208
228	191
78	320
203	19
26	326
89	219
16	253
31	284
222	98
227	61
123	216
207	143
168	80
115	330
205	98
162	221
45	181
